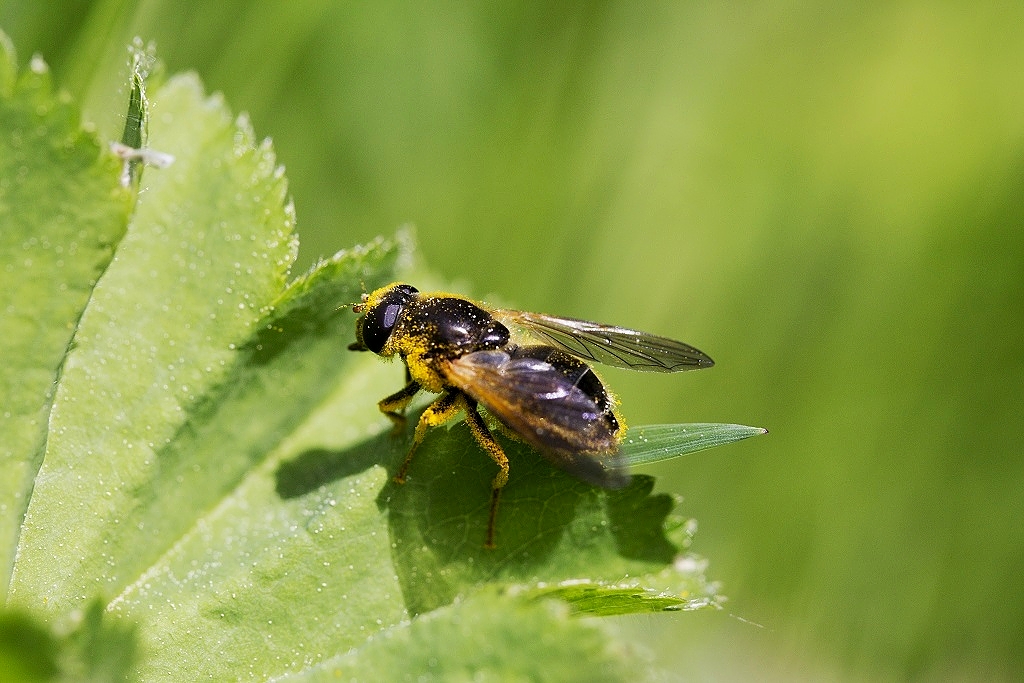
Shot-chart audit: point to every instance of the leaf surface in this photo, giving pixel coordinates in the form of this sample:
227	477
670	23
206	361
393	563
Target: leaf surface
62	213
488	637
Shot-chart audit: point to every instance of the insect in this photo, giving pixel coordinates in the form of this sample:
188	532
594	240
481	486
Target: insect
529	370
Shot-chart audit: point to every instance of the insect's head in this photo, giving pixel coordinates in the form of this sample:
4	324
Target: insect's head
381	310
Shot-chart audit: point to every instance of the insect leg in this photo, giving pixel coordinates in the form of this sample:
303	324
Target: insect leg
394	405
487	441
437	413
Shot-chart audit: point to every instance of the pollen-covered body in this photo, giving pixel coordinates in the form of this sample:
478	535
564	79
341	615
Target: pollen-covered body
427	337
541	392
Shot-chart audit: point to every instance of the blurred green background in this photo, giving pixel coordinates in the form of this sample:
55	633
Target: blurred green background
827	198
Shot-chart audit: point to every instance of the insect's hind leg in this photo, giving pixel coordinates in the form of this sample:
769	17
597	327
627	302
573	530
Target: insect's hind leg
489	443
444	409
437	413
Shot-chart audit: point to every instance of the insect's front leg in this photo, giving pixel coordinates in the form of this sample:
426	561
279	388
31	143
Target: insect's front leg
437	413
394	405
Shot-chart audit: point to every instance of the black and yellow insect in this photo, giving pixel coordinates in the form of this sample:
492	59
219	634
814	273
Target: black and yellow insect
529	370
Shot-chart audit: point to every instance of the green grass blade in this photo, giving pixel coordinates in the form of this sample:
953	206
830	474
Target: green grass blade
648	444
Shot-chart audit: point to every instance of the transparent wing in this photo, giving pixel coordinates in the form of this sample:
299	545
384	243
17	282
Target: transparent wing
617	346
542	406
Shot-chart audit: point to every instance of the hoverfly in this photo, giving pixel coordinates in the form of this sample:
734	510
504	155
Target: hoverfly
529	370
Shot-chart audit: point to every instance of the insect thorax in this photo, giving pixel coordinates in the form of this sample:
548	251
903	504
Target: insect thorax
440	329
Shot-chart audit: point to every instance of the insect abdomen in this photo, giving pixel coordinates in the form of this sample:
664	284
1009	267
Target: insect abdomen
577	372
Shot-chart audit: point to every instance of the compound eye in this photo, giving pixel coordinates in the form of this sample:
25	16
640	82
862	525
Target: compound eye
380	320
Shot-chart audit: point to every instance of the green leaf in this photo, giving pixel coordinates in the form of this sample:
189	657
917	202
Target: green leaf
648	444
550	527
62	213
488	637
208	249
